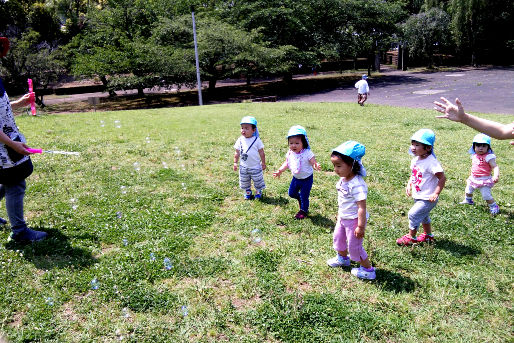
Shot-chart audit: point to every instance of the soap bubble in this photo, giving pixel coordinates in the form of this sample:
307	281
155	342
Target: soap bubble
123	190
117	123
94	284
256	235
137	166
152	257
119	215
125	312
167	264
125	241
184	310
102	123
147	139
164	165
49	301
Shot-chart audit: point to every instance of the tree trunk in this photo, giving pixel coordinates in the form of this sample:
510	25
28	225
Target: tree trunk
140	91
212	84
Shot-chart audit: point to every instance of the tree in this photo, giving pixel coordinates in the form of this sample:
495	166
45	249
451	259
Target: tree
426	31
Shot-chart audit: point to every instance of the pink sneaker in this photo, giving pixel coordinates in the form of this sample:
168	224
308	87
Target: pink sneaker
406	240
300	215
426	238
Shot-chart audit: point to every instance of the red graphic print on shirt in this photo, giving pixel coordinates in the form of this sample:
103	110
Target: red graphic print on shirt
417	177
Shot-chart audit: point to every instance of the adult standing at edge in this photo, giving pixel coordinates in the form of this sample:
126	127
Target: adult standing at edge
15	164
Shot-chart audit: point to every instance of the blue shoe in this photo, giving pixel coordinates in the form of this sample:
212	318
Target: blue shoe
258	195
3	221
28	235
338	261
248	195
362	273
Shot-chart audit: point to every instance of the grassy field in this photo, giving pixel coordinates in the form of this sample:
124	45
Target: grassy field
157	184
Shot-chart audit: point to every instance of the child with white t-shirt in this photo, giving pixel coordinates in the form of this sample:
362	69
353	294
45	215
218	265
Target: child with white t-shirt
352	192
250	149
362	90
425	184
483	161
301	161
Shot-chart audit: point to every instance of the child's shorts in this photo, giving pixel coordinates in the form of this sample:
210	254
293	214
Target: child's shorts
484	184
246	175
344	238
419	213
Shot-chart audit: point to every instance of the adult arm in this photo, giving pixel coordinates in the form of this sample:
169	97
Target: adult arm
21	102
455	112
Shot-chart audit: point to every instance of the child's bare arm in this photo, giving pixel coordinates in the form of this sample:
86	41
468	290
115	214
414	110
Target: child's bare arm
439	187
263	158
280	170
361	219
236	159
315	164
496	170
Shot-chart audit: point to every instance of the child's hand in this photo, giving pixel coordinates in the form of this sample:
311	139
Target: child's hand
433	197
235	166
277	173
359	232
317	166
495	179
263	165
408	190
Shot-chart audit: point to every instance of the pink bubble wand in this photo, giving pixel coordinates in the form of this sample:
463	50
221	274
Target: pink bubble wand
40	151
32	97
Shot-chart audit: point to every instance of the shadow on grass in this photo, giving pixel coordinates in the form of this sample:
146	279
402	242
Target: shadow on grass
322	221
394	282
280	201
456	249
54	252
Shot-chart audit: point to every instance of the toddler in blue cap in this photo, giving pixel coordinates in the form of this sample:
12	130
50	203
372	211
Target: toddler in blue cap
483	161
352	192
250	149
301	161
425	184
362	90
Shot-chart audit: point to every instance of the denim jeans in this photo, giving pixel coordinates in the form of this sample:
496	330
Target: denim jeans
14	194
300	189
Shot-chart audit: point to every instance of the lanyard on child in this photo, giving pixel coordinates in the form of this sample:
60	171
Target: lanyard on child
241	145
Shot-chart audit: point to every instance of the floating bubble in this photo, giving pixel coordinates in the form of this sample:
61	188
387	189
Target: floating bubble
125	312
256	235
184	310
123	190
165	165
94	284
102	123
183	186
117	123
125	241
152	257
137	166
49	301
119	215
183	167
167	264
147	139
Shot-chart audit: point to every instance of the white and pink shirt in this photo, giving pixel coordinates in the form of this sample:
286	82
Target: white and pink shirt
423	179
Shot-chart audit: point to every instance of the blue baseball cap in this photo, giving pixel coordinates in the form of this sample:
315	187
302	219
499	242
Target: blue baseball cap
481	138
354	150
364	77
425	136
297	130
351	149
249	120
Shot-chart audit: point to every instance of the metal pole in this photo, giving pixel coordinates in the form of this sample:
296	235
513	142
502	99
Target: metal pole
198	80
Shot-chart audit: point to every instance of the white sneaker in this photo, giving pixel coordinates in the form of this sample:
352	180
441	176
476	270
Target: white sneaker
361	273
335	262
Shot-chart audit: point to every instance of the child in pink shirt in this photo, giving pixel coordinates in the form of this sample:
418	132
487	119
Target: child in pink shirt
483	161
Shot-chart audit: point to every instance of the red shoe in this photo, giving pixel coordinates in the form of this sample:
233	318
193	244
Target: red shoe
425	238
406	240
300	215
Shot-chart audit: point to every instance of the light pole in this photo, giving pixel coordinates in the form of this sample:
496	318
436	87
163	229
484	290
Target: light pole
198	80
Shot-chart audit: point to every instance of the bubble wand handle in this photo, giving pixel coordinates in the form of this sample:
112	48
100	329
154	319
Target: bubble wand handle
32	97
40	151
35	151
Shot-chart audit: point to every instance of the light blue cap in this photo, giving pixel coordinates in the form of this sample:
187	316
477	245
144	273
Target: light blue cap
351	149
298	130
481	138
364	77
249	120
425	136
354	150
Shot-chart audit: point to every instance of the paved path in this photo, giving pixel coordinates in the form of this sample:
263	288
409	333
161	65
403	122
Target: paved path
486	90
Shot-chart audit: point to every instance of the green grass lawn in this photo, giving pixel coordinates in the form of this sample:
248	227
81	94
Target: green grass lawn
111	219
